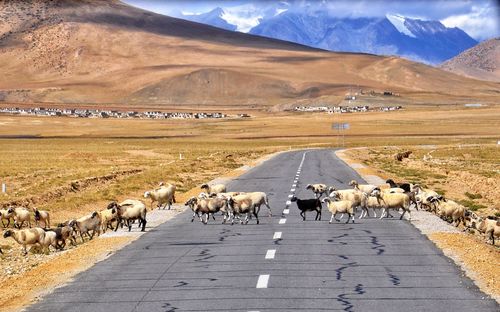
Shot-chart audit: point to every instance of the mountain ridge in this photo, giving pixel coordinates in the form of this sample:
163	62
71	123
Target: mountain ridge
68	51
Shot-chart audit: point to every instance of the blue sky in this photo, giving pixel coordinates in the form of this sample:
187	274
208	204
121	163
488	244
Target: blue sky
479	18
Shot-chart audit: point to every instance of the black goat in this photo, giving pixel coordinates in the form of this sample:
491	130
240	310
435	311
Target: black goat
404	186
304	205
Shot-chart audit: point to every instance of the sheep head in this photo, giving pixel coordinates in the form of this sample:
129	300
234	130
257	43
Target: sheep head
309	187
204	186
353	183
293	199
7	233
112	205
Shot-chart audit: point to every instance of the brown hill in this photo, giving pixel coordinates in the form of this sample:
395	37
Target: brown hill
479	62
103	51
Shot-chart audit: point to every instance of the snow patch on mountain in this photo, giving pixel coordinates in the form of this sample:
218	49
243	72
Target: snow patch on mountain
399	22
245	17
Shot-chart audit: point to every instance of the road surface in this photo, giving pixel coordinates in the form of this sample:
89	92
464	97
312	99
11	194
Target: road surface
283	264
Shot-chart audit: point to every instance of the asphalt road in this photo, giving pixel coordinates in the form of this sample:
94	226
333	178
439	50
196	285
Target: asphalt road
372	265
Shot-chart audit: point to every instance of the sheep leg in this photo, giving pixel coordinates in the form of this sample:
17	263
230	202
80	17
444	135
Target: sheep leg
194	214
349	217
256	216
383	213
331	218
213	216
303	215
143	224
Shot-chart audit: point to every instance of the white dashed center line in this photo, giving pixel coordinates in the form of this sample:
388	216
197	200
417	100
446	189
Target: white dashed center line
263	280
290	196
270	254
282	221
277	235
286	211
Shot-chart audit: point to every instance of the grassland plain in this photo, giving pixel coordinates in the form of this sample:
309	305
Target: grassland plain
72	166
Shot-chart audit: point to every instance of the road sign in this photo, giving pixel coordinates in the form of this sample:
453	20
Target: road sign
340	126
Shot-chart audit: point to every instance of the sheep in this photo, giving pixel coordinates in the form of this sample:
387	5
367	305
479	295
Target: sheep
242	204
217	188
107	218
490	227
304	205
63	233
163	195
343	206
405	186
318	189
49	240
86	224
43	216
130	210
394	201
372	202
353	195
365	188
6	215
426	198
450	209
26	237
207	206
20	215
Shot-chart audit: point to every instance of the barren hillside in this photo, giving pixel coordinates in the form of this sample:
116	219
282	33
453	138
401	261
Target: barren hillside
104	51
480	62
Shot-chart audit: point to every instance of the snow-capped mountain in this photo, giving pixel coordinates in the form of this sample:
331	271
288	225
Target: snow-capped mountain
424	41
213	18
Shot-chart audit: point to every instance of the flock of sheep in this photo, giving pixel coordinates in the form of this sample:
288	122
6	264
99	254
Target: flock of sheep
398	196
241	206
114	216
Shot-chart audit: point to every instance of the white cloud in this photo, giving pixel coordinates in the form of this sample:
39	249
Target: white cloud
481	23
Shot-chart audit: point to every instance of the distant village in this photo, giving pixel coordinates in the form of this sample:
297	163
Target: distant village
345	109
97	113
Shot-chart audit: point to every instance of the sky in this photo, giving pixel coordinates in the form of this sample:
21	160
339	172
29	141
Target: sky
478	18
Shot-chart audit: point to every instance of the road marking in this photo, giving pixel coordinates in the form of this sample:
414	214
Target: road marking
282	221
292	190
290	196
286	211
294	185
277	235
270	254
288	203
263	280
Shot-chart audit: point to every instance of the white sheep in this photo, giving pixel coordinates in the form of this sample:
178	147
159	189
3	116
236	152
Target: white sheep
107	218
26	237
6	214
353	195
490	227
341	206
365	188
394	201
165	195
371	202
130	210
49	240
450	209
42	216
210	189
21	215
86	224
318	189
